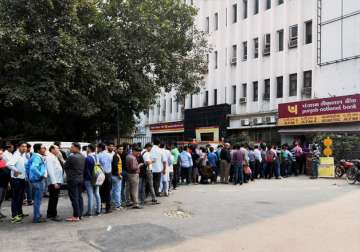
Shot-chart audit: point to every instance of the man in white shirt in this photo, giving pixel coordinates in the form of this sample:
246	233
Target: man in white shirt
55	179
158	165
257	153
149	176
164	185
18	182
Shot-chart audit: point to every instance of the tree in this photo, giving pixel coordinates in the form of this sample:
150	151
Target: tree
71	67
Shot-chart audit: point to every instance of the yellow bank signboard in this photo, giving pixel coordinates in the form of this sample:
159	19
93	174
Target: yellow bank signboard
327	110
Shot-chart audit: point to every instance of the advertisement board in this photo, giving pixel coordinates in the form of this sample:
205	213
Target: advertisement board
317	111
327	167
171	127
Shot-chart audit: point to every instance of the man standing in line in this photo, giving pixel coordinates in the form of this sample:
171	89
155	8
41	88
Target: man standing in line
257	153
116	172
159	165
37	174
237	160
175	153
18	182
149	175
105	160
186	164
133	176
55	179
225	162
212	158
74	168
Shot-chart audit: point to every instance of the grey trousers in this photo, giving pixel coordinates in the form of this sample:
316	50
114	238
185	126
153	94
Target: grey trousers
224	171
133	188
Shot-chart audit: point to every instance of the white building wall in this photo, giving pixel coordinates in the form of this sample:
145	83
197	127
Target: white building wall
336	79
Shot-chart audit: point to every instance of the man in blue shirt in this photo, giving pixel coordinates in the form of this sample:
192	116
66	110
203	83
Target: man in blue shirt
105	160
213	158
186	164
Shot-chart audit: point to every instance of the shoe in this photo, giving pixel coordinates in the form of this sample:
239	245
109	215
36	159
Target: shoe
73	219
136	207
17	219
87	215
108	211
56	219
119	208
155	202
97	214
23	215
30	203
41	220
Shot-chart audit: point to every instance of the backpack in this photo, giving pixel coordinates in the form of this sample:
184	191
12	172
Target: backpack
269	156
98	174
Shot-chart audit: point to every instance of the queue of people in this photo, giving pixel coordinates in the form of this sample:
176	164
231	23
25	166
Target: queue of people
126	175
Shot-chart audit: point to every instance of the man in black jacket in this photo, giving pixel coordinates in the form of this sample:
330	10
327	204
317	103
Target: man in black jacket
225	162
74	168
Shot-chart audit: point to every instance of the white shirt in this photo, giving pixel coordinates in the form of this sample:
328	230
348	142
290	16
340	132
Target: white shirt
54	169
147	158
257	154
158	157
17	164
7	156
169	161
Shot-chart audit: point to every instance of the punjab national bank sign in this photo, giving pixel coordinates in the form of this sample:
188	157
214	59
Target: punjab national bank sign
327	110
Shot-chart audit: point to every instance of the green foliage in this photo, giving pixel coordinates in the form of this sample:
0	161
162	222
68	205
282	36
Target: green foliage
67	66
344	146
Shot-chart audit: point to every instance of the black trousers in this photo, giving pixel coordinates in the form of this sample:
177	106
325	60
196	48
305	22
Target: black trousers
105	191
75	189
186	174
156	182
175	176
53	201
18	189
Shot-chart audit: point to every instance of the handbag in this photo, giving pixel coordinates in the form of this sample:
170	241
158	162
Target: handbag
247	170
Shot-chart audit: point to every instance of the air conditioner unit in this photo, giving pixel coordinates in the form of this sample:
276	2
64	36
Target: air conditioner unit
293	43
242	100
306	91
233	61
270	119
266	50
245	122
258	121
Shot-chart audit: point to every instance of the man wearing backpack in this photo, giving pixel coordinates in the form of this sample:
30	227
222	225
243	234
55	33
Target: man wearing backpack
91	188
74	168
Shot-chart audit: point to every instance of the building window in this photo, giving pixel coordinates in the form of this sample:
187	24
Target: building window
279	87
215	96
216	59
267	41
234	94
293	36
256	48
234	51
244	90
256	7
234	13
280	34
244	50
293	84
280	2
307	84
245	4
207	25
206	102
268	4
308	32
255	91
267	90
216	21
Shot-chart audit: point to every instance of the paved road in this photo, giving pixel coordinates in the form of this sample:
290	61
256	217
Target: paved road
295	214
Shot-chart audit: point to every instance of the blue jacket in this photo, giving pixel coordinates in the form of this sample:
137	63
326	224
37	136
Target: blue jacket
36	168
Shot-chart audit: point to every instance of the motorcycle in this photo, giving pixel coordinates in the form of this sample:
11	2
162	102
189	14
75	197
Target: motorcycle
342	167
353	174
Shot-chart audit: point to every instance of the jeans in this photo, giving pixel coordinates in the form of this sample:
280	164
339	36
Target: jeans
186	174
105	191
53	201
76	199
116	191
18	189
238	174
156	182
164	186
315	168
29	192
133	187
92	190
38	188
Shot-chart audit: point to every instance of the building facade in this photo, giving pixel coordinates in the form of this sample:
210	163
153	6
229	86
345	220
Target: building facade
264	53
